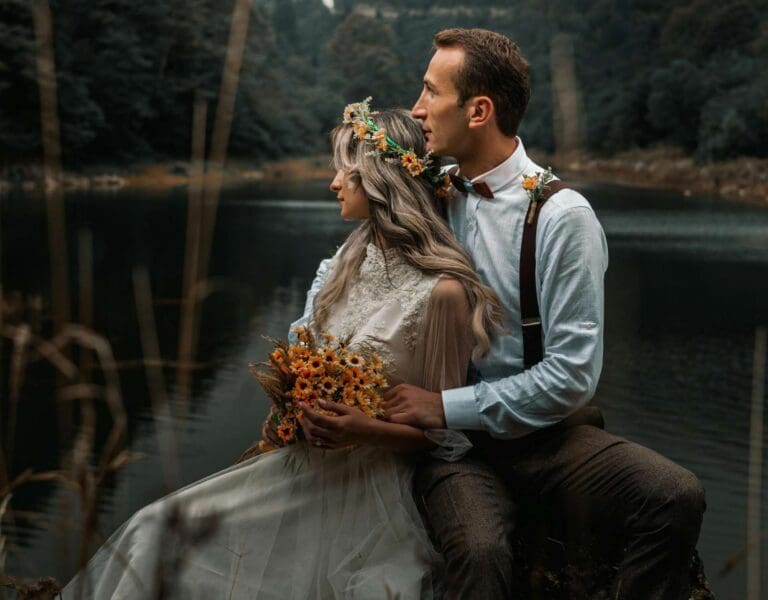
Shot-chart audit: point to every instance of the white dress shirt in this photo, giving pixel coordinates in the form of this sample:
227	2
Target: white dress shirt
571	259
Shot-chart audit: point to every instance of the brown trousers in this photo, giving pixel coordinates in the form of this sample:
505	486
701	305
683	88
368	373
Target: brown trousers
592	481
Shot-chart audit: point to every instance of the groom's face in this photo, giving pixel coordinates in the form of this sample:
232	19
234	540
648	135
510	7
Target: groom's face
444	122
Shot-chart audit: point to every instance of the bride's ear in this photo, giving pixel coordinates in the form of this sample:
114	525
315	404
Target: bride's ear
481	111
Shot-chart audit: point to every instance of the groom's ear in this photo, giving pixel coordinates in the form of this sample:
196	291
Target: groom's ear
481	111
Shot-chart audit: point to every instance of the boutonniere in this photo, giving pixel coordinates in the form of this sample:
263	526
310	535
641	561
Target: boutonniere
535	185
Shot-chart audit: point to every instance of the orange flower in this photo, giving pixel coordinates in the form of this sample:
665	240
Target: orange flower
530	182
348	396
380	140
328	385
360	130
298	352
298	365
355	361
316	365
301	389
278	356
376	362
412	162
286	430
329	356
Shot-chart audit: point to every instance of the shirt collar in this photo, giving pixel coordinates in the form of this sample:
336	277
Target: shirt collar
507	172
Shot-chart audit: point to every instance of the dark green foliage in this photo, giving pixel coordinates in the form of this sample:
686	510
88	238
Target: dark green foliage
683	72
362	58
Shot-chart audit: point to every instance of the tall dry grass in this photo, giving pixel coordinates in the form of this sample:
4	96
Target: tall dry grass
84	467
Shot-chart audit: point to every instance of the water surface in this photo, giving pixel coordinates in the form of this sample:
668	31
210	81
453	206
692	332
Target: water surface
685	289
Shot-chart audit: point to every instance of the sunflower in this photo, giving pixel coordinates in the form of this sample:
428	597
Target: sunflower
316	365
287	430
298	365
328	386
355	361
301	389
278	356
348	397
329	356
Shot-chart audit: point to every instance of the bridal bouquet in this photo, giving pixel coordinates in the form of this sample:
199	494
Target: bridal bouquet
307	371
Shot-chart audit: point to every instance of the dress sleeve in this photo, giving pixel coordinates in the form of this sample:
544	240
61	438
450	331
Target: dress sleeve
444	356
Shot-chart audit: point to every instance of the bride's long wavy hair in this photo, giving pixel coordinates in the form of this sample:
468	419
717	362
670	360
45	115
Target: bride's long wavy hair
403	215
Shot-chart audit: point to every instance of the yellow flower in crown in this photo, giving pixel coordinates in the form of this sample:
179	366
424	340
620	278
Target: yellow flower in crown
360	130
380	140
412	162
530	182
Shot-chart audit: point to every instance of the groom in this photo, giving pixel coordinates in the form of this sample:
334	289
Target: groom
533	439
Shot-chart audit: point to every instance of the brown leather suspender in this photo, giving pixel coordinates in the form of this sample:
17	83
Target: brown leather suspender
530	315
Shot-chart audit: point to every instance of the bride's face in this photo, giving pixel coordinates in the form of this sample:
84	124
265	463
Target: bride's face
351	196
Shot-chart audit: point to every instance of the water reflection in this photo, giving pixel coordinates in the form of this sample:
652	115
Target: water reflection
686	286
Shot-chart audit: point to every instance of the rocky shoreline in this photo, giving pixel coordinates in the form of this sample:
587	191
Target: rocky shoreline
742	180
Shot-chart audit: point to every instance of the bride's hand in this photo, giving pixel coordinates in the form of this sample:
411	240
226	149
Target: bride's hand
348	428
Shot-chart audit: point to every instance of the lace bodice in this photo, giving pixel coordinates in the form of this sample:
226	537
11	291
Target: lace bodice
385	307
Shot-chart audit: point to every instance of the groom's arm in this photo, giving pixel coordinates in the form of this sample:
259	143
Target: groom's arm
574	258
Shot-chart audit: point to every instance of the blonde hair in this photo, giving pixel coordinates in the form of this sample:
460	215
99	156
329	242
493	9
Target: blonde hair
403	215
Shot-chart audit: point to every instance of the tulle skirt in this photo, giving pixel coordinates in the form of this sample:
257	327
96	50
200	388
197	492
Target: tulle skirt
295	523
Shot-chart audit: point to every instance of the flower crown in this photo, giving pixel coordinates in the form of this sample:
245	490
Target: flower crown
366	130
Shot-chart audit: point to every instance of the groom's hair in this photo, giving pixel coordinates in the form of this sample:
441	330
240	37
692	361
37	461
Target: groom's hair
493	67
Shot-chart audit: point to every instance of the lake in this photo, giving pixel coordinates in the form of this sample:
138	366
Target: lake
686	286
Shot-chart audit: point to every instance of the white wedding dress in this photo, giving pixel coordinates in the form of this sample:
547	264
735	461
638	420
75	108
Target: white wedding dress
301	522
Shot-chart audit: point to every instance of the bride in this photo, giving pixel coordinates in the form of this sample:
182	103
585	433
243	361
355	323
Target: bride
334	522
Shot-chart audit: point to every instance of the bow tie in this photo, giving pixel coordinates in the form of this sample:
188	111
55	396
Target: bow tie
465	186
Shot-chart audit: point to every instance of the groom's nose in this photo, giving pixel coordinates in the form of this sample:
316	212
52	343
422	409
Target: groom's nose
418	111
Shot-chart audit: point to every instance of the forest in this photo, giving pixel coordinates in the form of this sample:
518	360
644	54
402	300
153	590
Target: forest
692	74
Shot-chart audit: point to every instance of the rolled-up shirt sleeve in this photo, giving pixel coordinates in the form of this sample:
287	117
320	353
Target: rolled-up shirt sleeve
572	256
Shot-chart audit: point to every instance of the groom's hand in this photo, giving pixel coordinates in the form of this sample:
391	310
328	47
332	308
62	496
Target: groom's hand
411	405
